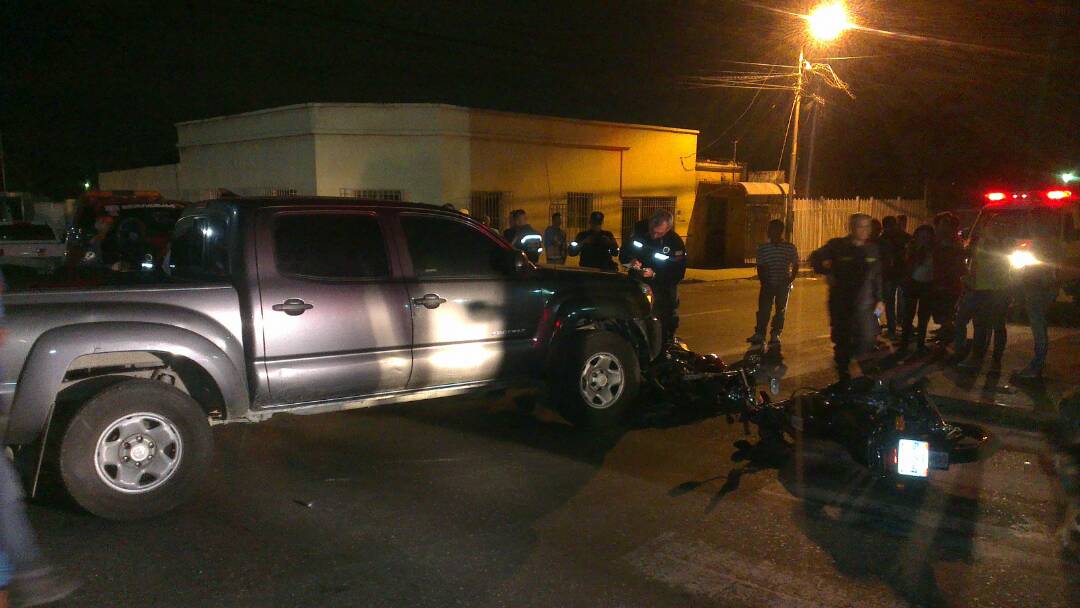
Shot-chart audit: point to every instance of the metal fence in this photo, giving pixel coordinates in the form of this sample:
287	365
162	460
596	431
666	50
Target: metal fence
818	220
636	209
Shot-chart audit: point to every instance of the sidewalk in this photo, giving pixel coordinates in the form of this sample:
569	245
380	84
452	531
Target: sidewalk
706	275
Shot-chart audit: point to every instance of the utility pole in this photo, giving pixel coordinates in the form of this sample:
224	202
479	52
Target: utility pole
789	201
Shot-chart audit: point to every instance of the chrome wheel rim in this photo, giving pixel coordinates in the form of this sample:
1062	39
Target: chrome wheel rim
138	453
601	380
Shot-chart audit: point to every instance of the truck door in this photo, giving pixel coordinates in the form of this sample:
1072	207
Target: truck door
473	319
335	321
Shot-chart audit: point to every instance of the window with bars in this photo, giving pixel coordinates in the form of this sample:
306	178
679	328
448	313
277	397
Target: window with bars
490	207
281	192
640	208
576	211
374	194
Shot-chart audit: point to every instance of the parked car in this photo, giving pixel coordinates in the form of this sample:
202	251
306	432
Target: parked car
301	305
30	246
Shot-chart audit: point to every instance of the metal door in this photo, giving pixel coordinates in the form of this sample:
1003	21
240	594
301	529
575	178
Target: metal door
473	320
336	322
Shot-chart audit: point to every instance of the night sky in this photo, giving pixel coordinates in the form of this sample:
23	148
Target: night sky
976	92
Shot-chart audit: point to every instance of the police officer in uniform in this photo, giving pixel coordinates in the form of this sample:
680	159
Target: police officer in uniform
655	251
596	246
853	267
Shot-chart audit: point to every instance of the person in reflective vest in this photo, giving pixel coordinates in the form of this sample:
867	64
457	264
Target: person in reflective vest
524	237
656	252
596	246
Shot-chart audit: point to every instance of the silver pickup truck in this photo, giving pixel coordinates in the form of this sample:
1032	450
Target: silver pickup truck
301	305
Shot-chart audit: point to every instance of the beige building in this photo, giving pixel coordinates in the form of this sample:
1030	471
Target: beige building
489	162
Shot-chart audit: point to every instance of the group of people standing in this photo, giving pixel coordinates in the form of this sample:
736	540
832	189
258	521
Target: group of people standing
652	251
883	280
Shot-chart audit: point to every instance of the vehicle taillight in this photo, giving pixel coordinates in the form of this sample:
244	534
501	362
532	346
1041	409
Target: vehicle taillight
1057	195
995	196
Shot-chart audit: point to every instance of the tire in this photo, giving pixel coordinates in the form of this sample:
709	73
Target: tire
132	423
589	356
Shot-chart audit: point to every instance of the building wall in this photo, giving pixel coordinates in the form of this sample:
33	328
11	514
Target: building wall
540	159
437	154
162	178
251	167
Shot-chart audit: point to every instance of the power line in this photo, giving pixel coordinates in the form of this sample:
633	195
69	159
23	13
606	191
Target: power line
783	146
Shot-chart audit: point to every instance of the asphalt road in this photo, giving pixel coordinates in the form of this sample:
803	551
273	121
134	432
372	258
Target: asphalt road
470	502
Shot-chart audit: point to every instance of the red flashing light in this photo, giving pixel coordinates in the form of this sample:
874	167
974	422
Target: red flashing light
1057	195
995	196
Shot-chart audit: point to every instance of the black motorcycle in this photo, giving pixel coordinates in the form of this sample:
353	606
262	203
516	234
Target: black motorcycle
892	430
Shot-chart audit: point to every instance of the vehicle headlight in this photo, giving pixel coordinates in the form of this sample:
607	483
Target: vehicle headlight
1022	258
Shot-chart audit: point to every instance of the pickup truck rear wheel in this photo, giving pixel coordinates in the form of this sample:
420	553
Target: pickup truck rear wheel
134	450
598	380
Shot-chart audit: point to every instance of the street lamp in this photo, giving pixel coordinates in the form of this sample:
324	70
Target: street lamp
1068	177
825	23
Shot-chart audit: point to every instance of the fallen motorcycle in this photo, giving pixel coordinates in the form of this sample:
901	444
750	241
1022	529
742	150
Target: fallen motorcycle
894	431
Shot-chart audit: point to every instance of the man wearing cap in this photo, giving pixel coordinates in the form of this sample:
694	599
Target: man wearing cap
596	246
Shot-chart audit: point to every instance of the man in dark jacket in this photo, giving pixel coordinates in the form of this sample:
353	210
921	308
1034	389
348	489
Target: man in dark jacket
596	246
660	256
852	265
949	271
893	271
524	237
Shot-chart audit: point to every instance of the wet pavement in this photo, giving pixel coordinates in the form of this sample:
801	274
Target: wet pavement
471	502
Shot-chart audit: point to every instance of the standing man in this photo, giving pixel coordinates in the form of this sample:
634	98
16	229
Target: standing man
1039	288
949	271
852	265
596	246
523	237
777	265
660	256
893	272
555	241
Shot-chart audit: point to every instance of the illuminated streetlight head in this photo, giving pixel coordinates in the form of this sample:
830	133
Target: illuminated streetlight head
828	21
1068	177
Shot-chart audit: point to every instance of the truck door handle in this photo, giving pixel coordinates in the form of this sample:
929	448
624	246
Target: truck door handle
293	307
430	301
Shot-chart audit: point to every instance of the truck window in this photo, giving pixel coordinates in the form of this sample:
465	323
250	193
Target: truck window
199	248
441	247
330	246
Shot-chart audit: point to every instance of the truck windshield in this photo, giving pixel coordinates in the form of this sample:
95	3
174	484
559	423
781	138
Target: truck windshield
1019	223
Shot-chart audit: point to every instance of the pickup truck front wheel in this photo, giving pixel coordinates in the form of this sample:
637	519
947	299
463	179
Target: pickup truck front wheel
598	380
135	450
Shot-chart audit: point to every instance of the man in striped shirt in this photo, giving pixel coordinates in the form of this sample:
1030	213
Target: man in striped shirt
777	265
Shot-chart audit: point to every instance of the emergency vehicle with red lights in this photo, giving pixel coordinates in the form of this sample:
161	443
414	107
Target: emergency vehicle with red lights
1043	226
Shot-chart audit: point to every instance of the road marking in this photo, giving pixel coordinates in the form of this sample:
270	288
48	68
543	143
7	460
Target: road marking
704	312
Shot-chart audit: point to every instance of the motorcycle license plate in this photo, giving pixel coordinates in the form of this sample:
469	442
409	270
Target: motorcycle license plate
913	458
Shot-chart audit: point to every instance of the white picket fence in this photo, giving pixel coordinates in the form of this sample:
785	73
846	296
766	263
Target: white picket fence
820	219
